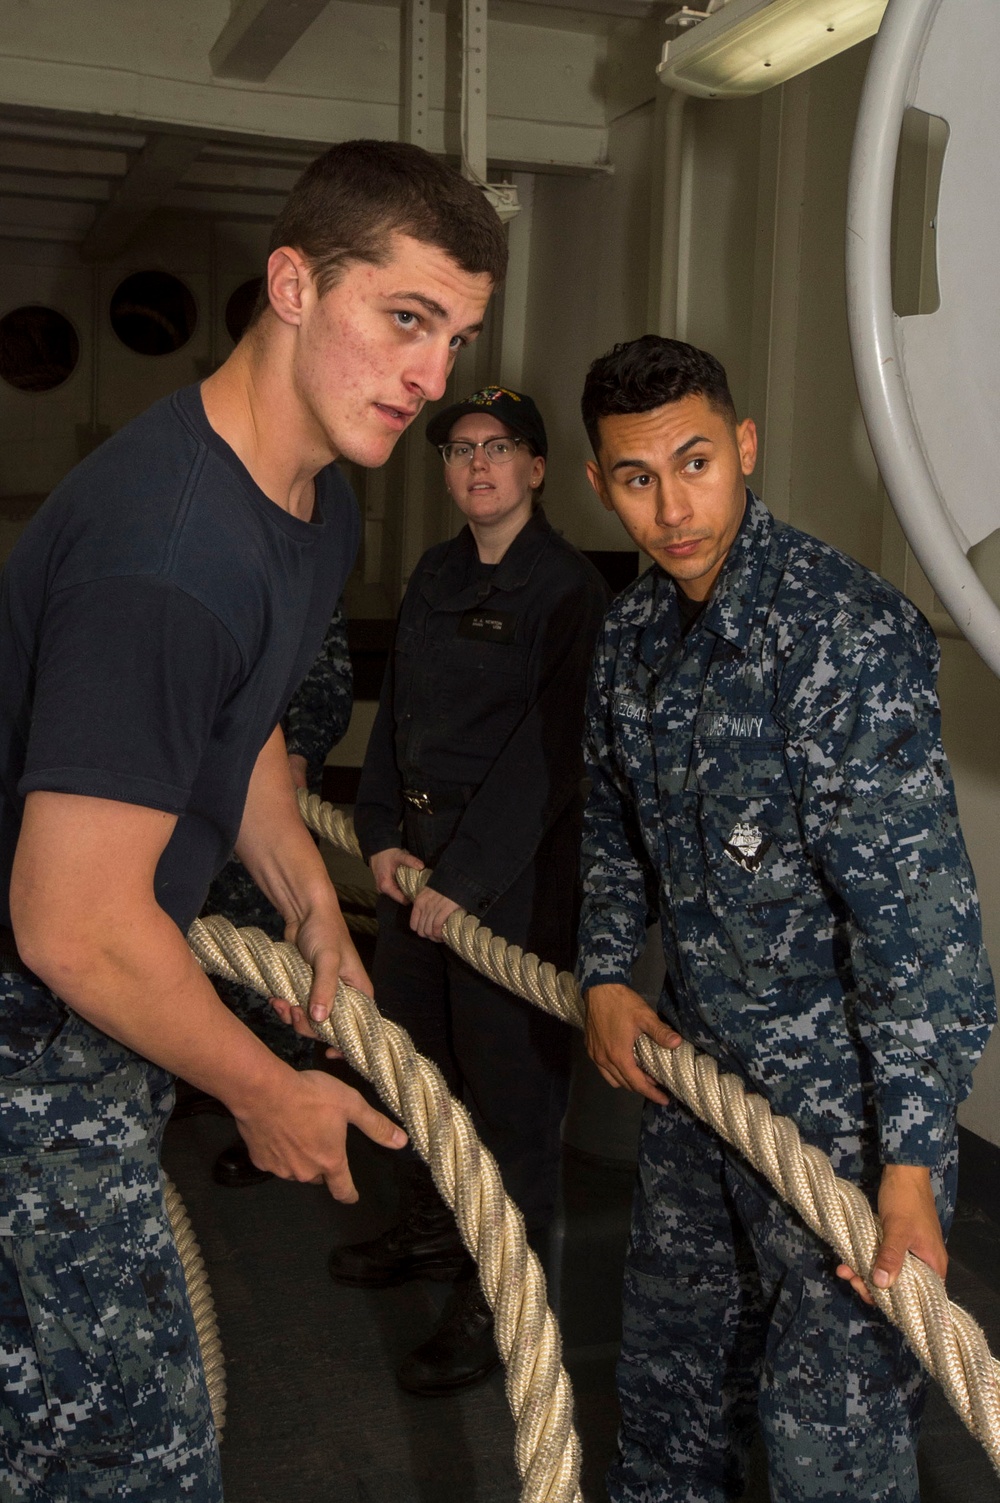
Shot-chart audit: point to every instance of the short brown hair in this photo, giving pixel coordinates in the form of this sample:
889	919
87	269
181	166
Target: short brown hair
349	201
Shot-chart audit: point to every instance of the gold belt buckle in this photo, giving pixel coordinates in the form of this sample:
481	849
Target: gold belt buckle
418	799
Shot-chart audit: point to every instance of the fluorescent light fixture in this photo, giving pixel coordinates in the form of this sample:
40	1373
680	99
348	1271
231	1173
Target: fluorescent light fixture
751	45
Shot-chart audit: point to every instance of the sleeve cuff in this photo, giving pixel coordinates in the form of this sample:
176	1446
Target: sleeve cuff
305	746
604	961
599	974
121	788
914	1128
462	889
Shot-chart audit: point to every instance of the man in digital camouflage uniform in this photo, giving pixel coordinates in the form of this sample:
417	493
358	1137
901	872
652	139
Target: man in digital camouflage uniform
317	717
156	616
768	779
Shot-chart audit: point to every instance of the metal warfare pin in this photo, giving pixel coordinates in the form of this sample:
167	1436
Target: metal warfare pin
747	846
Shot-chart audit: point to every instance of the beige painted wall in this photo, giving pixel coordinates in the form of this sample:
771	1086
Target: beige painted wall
970	709
588	289
721	168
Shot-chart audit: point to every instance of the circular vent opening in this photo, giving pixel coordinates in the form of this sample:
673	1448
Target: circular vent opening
153	313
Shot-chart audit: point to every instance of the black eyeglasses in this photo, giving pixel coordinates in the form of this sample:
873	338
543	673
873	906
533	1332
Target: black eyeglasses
497	451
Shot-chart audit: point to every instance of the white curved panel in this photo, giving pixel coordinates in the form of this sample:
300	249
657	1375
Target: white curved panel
951	358
928	385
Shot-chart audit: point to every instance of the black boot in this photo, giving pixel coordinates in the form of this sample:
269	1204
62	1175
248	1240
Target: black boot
461	1352
235	1169
425	1244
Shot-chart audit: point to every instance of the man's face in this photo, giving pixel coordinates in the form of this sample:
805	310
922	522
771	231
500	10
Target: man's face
674	477
380	343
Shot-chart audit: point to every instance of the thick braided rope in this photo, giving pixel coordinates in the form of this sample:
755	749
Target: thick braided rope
547	1450
360	897
202	1304
338	829
323	819
949	1343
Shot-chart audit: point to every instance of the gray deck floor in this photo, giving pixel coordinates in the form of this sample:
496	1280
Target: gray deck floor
314	1414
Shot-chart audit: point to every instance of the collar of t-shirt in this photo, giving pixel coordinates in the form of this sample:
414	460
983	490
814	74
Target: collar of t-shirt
187	400
689	610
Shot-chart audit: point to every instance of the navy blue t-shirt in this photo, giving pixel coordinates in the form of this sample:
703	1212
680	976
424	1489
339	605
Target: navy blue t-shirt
156	616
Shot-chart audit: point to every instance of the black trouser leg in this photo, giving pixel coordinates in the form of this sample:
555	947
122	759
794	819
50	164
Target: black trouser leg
508	1060
410	984
514	1061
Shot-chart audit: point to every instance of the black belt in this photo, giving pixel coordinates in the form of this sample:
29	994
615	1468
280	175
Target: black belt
434	800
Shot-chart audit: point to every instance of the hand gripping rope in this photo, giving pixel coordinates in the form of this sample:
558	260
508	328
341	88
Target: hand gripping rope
949	1343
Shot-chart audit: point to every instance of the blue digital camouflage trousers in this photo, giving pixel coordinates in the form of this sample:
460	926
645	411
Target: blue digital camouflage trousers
103	1394
734	1316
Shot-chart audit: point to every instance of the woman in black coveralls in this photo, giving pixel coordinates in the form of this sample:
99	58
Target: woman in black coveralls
474	769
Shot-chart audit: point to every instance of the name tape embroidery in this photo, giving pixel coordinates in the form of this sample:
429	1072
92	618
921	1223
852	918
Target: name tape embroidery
488	626
720	723
635	710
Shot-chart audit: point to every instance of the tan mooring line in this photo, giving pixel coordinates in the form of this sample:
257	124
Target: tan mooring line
946	1339
546	1448
202	1304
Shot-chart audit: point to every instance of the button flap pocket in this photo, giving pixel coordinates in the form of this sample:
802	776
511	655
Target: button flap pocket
59	1192
739	766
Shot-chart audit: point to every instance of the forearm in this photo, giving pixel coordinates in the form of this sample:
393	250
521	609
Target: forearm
924	999
617	894
131	974
86	920
283	860
274	844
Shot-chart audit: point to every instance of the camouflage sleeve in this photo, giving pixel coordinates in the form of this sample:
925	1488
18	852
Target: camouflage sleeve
619	883
320	709
880	819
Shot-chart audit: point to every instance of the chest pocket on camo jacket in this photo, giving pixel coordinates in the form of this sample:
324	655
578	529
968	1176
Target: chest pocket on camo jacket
748	822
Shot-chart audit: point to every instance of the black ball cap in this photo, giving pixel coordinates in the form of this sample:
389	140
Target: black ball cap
513	408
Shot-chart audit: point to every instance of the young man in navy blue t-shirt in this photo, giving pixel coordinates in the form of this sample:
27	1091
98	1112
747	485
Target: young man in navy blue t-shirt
155	618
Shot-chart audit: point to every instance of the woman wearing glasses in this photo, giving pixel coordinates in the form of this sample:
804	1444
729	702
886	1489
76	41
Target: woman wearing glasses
474	769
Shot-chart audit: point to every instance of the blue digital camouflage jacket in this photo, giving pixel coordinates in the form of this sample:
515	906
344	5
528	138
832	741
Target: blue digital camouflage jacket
773	787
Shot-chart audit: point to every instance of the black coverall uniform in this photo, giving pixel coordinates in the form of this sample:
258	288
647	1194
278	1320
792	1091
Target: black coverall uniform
474	765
